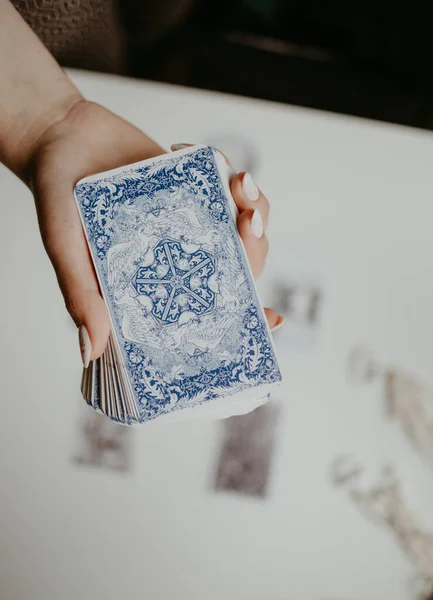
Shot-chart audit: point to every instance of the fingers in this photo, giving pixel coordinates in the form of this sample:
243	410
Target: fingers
247	196
67	248
251	230
252	220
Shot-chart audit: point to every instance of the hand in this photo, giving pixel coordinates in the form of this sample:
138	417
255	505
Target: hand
50	137
90	139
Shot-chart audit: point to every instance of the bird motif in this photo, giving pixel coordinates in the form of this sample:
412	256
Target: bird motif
141	329
209	239
145	302
187	317
148	258
123	297
213	283
204	335
189	246
182	221
228	300
123	258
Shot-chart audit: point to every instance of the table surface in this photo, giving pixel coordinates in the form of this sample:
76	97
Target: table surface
351	206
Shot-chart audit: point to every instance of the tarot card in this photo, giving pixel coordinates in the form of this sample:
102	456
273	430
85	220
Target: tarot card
246	452
296	285
102	444
188	331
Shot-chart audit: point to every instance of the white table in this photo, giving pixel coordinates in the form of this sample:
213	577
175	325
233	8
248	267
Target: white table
351	197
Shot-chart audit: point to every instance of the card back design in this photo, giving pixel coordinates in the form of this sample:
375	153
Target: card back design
185	315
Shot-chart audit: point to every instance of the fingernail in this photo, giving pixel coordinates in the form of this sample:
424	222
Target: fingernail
175	147
249	188
280	322
257	224
85	345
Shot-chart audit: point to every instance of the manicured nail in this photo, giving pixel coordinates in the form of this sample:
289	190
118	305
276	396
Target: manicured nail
280	322
85	345
175	147
257	224
249	188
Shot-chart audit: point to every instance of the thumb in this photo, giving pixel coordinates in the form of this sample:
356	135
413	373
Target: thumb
67	248
90	314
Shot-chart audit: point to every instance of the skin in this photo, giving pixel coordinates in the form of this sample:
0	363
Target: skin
51	137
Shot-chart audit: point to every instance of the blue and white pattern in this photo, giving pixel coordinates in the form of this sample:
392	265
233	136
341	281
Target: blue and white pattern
175	279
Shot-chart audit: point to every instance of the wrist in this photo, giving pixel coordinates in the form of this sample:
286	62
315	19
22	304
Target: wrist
26	129
35	91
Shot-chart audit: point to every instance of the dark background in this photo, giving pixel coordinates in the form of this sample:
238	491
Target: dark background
360	57
371	59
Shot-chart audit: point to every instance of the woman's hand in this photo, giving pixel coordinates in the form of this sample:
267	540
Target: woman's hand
90	139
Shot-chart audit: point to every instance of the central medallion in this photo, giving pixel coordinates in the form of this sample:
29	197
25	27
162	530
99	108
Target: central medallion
177	280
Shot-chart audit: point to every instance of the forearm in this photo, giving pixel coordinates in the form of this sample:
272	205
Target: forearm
34	91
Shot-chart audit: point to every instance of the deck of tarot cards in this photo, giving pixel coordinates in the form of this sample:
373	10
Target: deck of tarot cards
188	333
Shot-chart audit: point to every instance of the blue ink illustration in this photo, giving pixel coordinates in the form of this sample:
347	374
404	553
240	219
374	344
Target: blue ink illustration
175	278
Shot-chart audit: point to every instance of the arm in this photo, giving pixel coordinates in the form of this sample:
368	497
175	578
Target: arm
35	92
